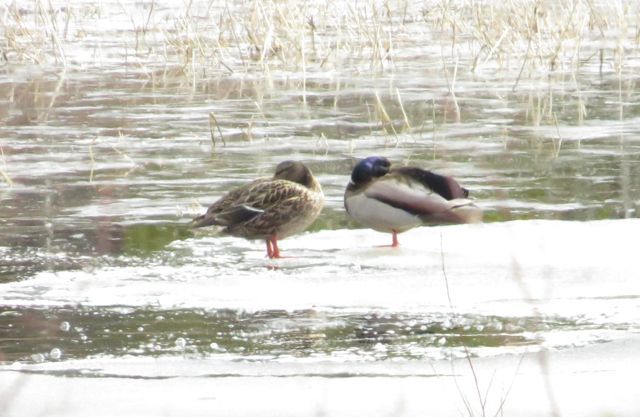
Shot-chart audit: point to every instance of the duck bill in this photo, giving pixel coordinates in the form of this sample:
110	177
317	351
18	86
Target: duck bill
202	221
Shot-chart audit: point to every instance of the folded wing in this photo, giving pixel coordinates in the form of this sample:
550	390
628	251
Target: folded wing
434	198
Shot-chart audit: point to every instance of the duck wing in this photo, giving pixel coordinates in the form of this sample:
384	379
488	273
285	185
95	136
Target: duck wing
231	207
264	202
445	186
433	198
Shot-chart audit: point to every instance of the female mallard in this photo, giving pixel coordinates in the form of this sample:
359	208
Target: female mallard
269	208
394	200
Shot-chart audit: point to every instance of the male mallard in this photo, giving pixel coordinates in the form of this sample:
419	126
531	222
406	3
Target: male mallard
269	208
394	200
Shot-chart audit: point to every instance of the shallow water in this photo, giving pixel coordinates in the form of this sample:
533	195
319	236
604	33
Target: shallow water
102	282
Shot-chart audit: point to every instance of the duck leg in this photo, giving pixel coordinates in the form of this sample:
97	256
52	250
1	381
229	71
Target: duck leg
394	242
269	248
275	251
272	248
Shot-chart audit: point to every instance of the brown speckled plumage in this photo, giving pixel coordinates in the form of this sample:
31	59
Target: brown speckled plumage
268	208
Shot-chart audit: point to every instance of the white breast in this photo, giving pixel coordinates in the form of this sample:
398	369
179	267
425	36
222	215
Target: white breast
378	215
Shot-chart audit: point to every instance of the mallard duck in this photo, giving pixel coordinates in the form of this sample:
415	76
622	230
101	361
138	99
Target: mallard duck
268	208
394	200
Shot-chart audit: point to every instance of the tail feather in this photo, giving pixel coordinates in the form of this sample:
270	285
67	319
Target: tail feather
458	211
466	211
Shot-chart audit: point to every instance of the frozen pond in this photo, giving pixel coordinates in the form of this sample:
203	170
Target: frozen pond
111	305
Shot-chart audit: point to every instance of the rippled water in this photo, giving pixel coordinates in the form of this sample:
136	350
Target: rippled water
103	165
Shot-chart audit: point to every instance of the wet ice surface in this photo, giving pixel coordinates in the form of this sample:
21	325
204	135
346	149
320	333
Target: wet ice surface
539	261
580	386
527	298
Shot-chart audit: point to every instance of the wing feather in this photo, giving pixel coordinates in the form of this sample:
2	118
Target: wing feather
445	186
403	196
258	208
417	200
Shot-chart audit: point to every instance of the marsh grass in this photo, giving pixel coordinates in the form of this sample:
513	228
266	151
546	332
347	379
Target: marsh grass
4	175
477	404
534	53
519	38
